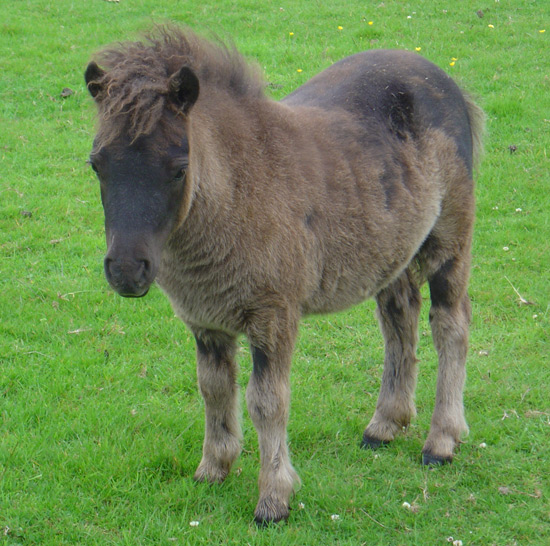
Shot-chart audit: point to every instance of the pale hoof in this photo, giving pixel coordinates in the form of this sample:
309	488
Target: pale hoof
210	473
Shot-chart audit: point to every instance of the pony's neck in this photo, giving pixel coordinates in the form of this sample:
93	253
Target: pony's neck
227	141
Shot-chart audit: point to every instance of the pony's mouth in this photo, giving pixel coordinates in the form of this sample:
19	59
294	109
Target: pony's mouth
129	278
125	294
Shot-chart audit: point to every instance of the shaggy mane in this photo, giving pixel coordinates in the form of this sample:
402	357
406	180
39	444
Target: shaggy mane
136	76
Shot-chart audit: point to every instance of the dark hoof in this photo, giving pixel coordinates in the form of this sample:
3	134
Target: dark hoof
264	523
435	460
268	514
369	442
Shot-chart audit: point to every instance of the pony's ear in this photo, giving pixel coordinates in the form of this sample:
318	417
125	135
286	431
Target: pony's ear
92	76
183	88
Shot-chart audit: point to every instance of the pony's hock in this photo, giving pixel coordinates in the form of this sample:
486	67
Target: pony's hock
250	213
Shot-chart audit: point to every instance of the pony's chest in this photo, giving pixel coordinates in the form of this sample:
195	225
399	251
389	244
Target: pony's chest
202	297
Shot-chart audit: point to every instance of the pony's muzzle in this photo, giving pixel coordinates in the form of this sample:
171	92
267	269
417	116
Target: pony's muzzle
129	277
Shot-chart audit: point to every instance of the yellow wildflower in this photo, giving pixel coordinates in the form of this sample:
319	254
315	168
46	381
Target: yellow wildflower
452	63
542	31
299	70
417	48
371	23
291	33
491	26
340	28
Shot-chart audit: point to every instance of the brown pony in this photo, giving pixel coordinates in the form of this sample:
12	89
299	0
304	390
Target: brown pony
251	213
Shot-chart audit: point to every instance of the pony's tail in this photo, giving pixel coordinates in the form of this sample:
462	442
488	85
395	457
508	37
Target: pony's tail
476	117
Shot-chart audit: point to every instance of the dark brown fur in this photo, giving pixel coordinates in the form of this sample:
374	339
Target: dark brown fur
135	80
251	213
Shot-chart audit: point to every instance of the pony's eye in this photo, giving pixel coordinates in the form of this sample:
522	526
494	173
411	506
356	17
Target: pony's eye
180	175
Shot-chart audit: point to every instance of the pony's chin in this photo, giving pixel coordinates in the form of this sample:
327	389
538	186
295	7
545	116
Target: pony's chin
139	295
131	293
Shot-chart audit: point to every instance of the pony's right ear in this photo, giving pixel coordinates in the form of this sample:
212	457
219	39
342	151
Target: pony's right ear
183	88
93	76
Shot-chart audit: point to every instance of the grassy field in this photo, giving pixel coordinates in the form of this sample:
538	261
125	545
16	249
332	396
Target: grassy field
100	420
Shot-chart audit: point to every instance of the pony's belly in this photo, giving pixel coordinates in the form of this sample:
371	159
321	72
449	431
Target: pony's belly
321	306
338	297
362	277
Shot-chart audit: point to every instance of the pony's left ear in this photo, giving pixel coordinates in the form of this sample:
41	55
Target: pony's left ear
183	88
92	76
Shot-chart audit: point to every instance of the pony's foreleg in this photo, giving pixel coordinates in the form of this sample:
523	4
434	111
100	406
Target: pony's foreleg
268	399
449	320
217	371
398	310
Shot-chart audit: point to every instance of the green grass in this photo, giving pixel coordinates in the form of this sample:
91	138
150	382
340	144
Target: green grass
100	420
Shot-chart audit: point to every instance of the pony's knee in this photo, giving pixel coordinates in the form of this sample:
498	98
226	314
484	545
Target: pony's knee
267	403
216	387
450	327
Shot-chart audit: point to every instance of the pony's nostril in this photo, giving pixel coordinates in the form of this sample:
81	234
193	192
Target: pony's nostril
107	267
143	271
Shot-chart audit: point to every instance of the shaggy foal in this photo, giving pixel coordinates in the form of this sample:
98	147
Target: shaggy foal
250	213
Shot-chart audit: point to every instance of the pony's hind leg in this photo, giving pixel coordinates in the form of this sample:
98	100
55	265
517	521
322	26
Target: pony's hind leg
398	311
217	371
449	320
